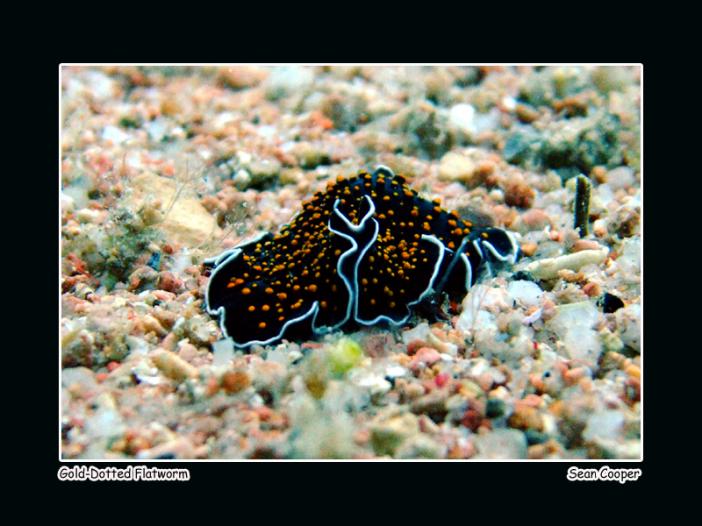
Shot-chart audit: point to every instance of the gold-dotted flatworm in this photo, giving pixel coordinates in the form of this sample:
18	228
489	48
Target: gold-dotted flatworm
363	252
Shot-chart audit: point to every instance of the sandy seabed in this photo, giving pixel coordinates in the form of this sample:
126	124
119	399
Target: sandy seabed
164	167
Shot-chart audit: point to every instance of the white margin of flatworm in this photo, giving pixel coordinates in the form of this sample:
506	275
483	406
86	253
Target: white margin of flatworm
353	294
217	260
426	292
469	271
220	262
512	257
483	259
383	167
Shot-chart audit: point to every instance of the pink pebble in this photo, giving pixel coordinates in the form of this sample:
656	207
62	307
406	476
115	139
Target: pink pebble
168	282
535	219
426	355
163	295
414	346
442	379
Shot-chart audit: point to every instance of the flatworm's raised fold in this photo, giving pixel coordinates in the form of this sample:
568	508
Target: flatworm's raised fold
363	252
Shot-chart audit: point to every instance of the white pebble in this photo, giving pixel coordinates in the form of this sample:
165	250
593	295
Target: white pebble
68	204
573	324
502	443
375	383
101	86
223	352
548	268
420	332
242	178
497	195
604	425
181	261
463	117
629	325
88	215
288	79
156	129
114	135
525	292
105	423
622	177
244	157
533	318
509	103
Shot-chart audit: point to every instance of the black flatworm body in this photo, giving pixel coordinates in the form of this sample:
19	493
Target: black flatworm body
364	252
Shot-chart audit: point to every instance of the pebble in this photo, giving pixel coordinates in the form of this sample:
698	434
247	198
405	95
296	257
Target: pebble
168	282
528	248
501	443
548	268
518	193
432	404
527	293
611	303
573	324
526	113
242	179
629	326
310	155
495	407
163	295
604	425
599	227
585	244
633	370
344	355
593	290
288	79
421	446
376	384
622	177
114	135
173	366
599	174
264	170
88	215
456	167
425	356
535	219
413	391
178	448
235	381
187	222
187	351
100	86
80	378
462	116
150	323
573	376
388	435
538	382
239	77
143	277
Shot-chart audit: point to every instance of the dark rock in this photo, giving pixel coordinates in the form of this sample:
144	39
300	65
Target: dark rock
610	303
